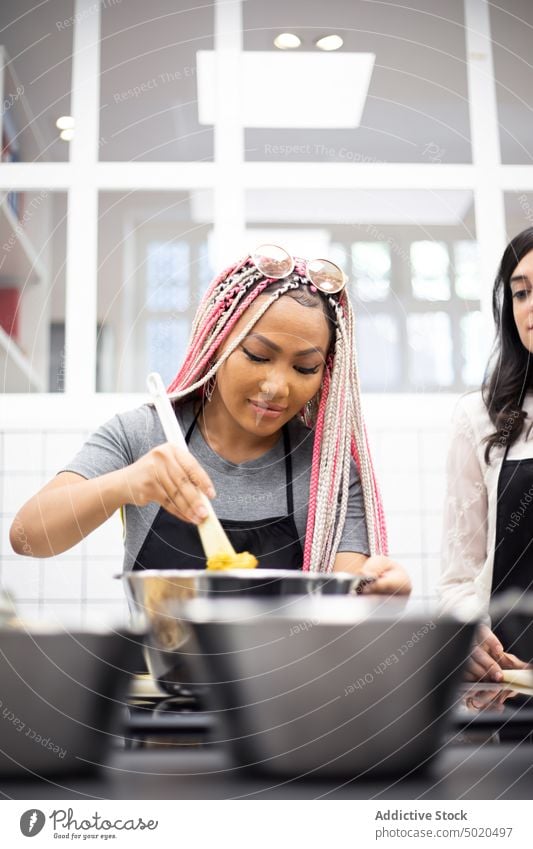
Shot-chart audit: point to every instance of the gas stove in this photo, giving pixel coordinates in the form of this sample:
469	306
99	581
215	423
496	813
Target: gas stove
155	720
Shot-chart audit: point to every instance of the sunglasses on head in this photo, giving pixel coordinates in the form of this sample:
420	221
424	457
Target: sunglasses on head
276	263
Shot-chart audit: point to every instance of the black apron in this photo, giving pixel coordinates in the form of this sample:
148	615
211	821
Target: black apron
513	554
173	544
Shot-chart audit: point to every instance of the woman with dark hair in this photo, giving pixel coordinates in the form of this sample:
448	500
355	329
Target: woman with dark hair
488	539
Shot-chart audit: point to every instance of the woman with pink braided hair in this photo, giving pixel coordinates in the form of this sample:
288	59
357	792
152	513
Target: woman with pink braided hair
268	397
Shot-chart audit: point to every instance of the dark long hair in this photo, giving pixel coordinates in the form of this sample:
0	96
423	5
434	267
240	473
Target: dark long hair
510	369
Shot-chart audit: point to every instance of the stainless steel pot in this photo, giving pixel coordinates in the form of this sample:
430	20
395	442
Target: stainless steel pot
157	597
331	686
62	698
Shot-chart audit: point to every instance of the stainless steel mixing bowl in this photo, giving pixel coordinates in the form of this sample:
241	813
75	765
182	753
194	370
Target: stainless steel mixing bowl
157	597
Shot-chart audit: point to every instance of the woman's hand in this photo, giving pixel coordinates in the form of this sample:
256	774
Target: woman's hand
390	577
488	659
172	478
493	700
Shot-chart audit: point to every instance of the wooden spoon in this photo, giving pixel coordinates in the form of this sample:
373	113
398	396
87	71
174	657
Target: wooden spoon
212	534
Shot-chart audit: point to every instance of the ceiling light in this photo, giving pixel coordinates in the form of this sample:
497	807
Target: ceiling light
66	122
66	135
329	42
291	89
287	41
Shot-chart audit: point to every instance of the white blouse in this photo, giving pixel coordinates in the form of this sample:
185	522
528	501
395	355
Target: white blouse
470	507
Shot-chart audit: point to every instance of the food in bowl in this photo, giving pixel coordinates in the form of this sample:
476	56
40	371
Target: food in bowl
222	561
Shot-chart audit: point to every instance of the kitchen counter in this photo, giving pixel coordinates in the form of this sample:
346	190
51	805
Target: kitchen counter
170	748
486	771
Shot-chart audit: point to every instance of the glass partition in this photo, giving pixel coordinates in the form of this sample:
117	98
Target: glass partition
408	103
414	283
149	97
36	74
511	26
154	265
32	290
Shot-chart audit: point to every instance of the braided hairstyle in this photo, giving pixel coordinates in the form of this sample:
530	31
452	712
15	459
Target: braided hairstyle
336	416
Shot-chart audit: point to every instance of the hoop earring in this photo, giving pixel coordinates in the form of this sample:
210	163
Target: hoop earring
209	387
311	410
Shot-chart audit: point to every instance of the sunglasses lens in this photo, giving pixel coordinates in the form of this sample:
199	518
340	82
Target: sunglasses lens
273	261
326	276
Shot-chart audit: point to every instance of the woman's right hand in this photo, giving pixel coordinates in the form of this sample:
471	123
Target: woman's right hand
69	507
488	659
172	478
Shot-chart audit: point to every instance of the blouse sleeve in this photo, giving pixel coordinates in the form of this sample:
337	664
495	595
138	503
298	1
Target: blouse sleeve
464	544
106	450
118	443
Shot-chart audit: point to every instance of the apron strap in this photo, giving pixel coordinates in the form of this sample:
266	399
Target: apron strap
189	432
288	470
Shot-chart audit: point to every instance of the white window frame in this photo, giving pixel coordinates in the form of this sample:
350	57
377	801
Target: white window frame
229	176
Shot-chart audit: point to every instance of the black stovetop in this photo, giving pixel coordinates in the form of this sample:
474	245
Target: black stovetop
167	721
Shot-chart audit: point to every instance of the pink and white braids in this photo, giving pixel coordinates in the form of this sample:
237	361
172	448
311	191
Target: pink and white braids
340	433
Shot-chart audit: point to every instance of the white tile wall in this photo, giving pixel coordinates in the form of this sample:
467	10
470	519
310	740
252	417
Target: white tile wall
19	486
416	567
405	533
409	439
106	540
5	547
100	581
432	455
23	450
68	613
397	451
109	614
30	611
62	577
401	491
23	577
432	534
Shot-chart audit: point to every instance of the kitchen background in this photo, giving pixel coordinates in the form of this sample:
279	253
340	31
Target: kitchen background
187	137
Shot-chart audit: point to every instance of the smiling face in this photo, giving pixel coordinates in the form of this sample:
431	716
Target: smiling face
522	294
278	367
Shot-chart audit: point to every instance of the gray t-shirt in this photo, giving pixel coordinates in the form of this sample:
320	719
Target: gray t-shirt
249	491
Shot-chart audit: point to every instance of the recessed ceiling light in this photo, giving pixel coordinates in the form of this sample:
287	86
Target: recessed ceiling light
329	42
66	122
67	135
287	41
